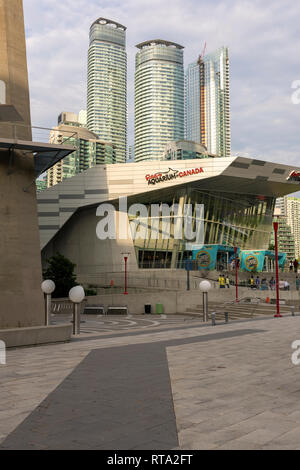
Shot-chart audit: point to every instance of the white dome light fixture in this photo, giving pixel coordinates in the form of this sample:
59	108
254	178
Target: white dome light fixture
205	286
48	286
77	294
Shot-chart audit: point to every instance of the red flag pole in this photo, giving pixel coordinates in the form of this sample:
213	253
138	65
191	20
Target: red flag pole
236	276
125	259
275	225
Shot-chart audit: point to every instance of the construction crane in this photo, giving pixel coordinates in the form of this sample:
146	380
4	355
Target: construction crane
201	55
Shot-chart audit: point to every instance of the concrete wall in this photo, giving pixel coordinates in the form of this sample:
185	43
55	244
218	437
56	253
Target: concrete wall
180	301
78	241
169	279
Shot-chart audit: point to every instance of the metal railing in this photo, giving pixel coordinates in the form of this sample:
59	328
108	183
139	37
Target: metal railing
19	131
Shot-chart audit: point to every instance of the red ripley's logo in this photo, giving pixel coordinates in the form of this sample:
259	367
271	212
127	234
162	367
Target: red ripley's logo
294	176
171	174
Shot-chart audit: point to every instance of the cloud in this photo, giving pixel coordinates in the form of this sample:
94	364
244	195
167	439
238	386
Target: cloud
262	36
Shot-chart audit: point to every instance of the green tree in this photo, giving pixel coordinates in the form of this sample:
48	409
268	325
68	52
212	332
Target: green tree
61	271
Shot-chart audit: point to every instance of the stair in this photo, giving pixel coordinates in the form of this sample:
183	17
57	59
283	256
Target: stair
238	311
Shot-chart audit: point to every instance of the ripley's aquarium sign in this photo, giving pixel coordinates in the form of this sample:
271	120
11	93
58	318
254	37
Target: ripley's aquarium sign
171	175
294	176
251	262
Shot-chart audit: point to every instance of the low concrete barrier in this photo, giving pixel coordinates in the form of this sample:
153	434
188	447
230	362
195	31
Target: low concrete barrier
36	335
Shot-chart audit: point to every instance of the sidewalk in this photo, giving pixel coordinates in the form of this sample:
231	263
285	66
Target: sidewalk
225	387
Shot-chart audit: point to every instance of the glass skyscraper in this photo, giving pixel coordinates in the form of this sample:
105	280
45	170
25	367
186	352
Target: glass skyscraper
90	150
207	106
107	84
159	98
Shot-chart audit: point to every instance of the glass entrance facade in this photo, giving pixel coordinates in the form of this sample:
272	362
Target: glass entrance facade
228	219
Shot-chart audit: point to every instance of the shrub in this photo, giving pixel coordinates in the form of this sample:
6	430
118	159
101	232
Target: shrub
61	271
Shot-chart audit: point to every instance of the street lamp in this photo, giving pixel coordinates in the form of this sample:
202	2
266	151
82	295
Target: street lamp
76	295
205	287
275	225
126	255
236	274
48	287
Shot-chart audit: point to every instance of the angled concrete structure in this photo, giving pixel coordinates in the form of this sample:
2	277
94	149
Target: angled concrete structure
21	160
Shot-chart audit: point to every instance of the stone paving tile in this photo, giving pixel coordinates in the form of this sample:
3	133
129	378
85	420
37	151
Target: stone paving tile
148	413
230	392
258	380
140	404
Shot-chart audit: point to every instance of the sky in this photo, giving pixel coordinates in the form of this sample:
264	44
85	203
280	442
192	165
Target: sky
263	37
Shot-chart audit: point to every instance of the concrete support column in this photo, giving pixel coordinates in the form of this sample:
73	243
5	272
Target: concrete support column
177	243
20	267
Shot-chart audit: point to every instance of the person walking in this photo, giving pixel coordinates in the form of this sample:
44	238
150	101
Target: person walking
297	283
272	283
251	280
296	265
291	266
222	282
227	282
257	282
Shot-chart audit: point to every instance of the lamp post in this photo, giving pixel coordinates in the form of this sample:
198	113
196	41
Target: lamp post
76	295
188	263
275	225
236	275
205	287
126	255
48	287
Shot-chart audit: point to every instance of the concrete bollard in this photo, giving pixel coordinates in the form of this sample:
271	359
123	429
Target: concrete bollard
293	311
213	318
226	317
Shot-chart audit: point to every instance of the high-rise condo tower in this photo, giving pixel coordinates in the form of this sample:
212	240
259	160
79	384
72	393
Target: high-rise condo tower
159	98
207	106
107	84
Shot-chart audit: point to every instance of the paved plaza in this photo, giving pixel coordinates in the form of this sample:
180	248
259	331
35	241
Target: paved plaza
155	383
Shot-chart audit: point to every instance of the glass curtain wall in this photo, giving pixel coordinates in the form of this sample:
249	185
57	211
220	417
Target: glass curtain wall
229	219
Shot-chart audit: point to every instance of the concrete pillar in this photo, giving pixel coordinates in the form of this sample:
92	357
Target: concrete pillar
13	70
21	299
178	222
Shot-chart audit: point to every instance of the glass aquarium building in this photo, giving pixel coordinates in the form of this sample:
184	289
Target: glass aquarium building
163	211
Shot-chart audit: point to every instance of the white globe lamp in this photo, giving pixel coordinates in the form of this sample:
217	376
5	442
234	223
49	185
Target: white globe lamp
76	295
205	286
48	287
